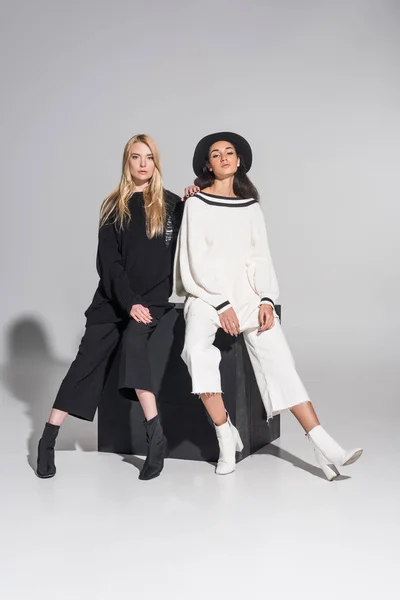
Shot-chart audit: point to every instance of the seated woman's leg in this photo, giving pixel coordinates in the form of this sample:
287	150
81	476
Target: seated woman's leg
278	381
199	354
57	417
80	391
202	360
148	403
281	389
134	365
136	383
215	407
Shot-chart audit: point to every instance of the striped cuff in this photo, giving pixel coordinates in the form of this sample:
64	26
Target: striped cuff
223	307
266	300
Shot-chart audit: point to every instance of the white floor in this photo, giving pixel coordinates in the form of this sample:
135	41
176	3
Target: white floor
274	529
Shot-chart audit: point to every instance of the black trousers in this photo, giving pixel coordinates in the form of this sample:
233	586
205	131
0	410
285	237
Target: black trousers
80	392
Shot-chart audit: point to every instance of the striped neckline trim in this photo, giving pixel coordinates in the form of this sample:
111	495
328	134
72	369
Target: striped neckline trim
225	201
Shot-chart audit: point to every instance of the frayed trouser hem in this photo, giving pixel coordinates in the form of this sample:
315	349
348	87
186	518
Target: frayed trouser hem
275	413
207	393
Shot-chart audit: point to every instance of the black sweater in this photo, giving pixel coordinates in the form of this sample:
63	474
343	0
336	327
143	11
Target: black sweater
134	269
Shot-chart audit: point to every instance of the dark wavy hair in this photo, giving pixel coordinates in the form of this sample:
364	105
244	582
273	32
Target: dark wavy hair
242	186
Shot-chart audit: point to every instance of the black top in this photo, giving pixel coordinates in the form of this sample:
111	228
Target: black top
134	269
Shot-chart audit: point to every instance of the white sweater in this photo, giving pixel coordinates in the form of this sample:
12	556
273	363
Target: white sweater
222	255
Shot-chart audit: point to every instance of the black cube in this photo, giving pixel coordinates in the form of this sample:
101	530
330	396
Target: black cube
189	430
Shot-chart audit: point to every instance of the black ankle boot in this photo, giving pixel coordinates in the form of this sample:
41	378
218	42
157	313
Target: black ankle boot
45	460
157	443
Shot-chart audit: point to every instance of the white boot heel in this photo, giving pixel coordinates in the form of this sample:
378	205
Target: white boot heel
238	440
330	471
239	443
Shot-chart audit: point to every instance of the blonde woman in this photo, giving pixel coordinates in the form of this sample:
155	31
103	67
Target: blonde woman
139	222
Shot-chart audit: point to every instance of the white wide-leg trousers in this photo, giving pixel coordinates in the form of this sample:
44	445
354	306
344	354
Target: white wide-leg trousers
279	384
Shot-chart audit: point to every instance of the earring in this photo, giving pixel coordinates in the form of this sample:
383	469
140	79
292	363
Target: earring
210	170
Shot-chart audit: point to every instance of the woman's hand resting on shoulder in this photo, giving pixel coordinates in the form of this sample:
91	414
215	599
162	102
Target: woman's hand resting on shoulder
230	322
190	191
266	318
141	314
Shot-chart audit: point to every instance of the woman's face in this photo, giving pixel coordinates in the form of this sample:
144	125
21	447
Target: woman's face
141	164
223	160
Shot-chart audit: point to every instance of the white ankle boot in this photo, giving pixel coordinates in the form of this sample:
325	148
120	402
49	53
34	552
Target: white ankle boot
229	443
328	452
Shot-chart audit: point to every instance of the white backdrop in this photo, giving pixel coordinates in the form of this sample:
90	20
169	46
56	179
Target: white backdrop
313	85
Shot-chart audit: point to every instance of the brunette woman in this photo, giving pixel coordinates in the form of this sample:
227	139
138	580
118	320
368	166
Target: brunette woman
224	267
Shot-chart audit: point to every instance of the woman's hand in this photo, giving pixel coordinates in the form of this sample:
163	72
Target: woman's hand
141	314
190	191
266	317
230	322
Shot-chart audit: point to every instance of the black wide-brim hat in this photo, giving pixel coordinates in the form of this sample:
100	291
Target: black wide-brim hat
201	152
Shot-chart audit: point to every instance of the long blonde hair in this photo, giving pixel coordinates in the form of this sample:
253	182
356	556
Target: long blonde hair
115	207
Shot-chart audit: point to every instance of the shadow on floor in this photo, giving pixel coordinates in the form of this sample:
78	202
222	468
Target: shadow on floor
297	462
135	461
32	376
